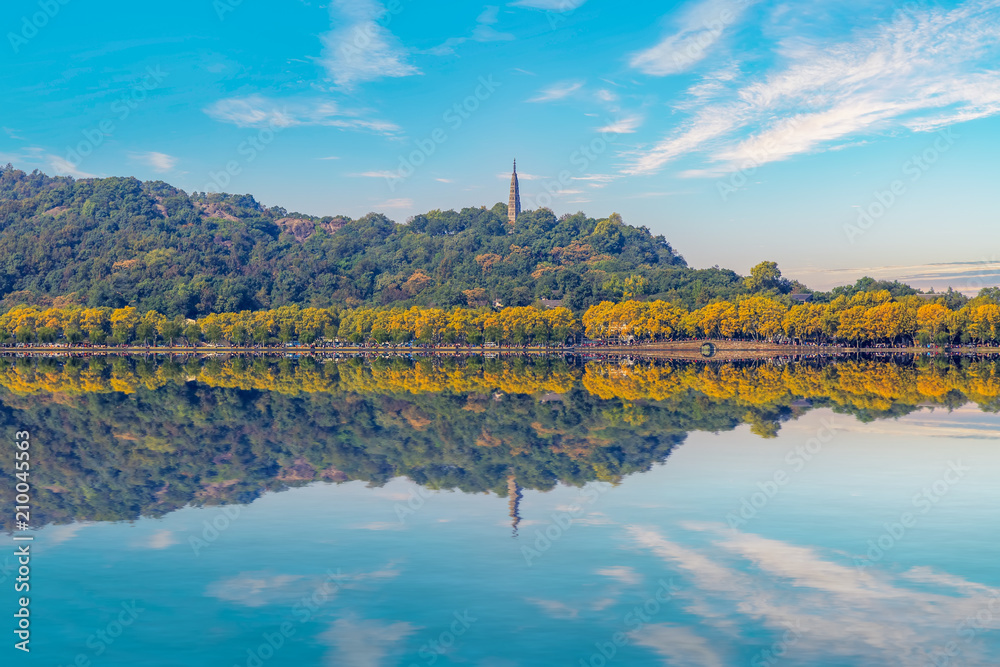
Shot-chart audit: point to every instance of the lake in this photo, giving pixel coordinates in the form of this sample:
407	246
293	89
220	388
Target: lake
507	512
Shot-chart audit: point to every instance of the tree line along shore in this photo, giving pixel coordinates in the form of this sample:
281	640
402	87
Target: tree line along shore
872	319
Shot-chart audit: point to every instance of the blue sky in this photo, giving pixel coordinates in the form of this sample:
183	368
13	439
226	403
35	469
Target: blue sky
837	139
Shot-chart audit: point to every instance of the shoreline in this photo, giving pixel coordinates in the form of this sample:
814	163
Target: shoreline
700	350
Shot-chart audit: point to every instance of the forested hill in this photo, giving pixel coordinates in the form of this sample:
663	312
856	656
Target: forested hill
119	241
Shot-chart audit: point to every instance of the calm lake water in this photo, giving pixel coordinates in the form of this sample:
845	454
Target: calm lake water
242	513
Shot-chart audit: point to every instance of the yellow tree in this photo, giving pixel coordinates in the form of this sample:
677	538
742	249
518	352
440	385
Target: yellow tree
123	323
760	317
933	319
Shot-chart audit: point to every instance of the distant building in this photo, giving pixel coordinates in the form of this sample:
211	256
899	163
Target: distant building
552	303
802	298
514	205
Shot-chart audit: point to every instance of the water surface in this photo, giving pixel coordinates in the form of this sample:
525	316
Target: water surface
484	513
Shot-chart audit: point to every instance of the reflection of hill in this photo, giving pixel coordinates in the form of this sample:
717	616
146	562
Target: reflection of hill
118	439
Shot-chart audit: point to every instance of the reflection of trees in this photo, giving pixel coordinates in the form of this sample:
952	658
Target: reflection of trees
122	438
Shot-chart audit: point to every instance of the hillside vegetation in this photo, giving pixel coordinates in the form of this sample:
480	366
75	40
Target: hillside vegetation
117	242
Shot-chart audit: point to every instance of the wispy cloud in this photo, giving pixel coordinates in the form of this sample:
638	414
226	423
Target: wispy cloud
361	48
550	5
626	125
364	643
697	30
597	178
920	71
64	167
847	614
521	177
555	608
557	91
483	32
396	203
159	162
375	174
260	111
256	589
622	573
606	95
382	525
965	277
161	539
64	532
331	157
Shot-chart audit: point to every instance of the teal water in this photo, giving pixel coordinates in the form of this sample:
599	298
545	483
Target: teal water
679	565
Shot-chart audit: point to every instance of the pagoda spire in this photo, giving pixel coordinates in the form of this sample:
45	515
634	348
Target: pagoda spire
514	501
514	205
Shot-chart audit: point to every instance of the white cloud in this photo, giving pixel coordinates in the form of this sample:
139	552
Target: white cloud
621	573
832	608
921	71
259	111
360	48
550	5
160	162
376	174
252	111
63	533
63	166
597	178
256	589
679	646
555	608
386	525
483	32
444	180
331	157
626	125
698	28
364	643
521	176
557	91
393	203
161	539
